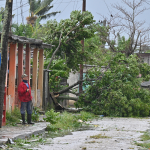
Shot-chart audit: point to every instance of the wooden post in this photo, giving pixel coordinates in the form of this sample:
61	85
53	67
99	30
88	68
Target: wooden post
82	42
12	72
40	77
28	58
4	44
34	75
20	62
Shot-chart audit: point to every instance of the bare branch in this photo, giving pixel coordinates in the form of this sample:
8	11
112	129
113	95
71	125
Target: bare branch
55	51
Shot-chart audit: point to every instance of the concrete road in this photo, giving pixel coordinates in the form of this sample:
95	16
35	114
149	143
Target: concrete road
110	134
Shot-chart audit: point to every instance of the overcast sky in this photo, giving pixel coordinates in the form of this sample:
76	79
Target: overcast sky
96	7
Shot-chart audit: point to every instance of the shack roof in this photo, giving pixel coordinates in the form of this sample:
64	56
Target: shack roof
34	43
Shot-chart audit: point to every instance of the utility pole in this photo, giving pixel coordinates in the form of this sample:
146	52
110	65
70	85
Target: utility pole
82	42
4	47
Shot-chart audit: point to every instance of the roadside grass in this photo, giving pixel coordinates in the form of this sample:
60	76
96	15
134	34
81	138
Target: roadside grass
60	125
28	143
145	138
67	122
14	117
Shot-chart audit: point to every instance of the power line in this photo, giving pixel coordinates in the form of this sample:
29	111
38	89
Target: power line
22	12
67	2
58	5
64	9
20	5
76	5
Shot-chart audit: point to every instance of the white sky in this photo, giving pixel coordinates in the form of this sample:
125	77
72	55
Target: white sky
96	7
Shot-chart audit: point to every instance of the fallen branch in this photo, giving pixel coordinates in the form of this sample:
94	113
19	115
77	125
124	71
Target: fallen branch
67	98
71	86
55	52
67	89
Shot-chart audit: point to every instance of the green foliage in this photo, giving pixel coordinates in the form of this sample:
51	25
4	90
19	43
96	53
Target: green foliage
95	51
27	143
117	91
66	121
145	137
26	30
59	70
22	30
13	117
35	114
73	32
52	116
85	116
123	44
40	8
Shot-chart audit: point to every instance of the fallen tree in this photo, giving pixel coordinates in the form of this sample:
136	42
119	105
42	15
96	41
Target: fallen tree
67	98
119	93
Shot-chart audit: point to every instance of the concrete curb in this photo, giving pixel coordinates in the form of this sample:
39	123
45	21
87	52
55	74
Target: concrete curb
21	131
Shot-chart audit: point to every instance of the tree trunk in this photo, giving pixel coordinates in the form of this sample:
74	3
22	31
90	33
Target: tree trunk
71	86
4	45
67	89
67	98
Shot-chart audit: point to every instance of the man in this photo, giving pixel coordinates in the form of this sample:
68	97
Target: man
24	93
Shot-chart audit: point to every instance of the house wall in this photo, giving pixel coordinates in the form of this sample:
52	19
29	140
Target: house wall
145	57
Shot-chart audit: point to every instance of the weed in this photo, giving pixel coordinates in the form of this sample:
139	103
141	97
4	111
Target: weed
145	145
144	137
52	116
93	142
21	143
35	114
62	124
99	136
13	117
84	116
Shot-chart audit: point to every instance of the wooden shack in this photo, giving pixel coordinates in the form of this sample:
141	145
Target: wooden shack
16	44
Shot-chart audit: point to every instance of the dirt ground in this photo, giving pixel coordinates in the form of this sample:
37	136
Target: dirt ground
111	134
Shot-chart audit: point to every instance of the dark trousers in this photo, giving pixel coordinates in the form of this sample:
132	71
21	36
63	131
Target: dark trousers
26	106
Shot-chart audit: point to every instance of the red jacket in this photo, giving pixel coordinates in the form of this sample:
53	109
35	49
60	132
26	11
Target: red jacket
23	95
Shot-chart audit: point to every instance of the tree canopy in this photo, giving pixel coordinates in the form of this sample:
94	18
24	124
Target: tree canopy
117	91
73	30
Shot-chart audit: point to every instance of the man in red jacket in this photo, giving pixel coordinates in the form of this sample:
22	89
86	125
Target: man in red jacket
24	93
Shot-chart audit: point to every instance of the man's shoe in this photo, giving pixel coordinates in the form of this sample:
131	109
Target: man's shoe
29	119
23	119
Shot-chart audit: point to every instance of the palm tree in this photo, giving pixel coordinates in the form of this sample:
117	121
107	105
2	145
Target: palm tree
40	9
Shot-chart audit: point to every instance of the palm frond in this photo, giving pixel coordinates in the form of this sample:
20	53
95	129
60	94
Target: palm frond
44	10
44	5
49	15
34	5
